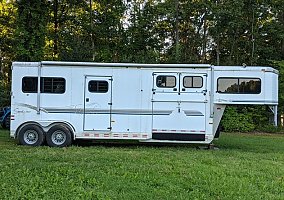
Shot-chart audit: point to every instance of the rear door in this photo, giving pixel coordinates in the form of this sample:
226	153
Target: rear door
97	103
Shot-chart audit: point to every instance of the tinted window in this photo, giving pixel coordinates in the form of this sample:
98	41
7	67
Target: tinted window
48	85
98	86
249	86
239	85
52	85
166	81
29	84
192	82
228	85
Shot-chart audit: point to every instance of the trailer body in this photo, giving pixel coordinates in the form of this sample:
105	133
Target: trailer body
178	103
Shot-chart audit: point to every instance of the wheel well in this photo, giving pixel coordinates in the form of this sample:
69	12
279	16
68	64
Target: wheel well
25	124
67	125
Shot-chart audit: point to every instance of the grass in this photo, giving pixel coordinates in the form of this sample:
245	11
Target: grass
245	167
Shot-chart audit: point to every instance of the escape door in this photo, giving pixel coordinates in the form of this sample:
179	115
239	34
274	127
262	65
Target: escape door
97	103
179	102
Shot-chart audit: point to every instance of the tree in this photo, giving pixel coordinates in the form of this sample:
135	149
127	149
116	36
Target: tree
31	29
7	30
141	33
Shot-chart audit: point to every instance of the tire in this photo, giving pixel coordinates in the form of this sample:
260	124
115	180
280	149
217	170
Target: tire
3	125
31	135
6	122
58	136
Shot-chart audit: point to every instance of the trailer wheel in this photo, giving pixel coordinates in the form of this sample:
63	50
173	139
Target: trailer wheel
31	135
58	136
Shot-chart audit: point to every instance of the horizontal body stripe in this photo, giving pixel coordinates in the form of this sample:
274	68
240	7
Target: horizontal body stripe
100	111
113	111
182	101
218	101
193	113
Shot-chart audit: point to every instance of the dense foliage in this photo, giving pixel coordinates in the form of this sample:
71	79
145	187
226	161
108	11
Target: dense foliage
218	32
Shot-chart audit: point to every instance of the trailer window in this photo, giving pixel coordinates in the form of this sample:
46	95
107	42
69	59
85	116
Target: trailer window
166	81
52	85
239	85
29	84
48	85
193	82
98	86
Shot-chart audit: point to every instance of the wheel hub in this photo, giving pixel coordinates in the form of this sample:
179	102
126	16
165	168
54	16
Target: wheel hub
30	136
58	137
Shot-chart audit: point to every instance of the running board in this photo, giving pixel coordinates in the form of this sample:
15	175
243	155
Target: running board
178	136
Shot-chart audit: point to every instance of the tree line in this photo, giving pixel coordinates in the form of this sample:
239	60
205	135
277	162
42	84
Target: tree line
219	32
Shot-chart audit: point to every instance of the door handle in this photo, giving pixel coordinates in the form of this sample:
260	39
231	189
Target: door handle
87	99
175	89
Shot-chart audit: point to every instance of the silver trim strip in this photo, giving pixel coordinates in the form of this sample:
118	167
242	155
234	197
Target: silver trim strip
100	111
193	113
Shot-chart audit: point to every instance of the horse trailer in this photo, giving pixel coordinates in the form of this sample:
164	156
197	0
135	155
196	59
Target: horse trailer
59	102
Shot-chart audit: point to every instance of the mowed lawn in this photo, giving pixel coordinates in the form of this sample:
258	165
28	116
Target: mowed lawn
245	167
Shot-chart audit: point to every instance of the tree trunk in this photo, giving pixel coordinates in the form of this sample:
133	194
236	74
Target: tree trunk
92	30
204	43
56	26
177	52
218	51
282	40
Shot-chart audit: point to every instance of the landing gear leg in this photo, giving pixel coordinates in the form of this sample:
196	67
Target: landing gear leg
210	146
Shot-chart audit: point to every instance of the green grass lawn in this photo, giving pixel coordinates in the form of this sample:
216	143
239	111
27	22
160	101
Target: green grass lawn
245	167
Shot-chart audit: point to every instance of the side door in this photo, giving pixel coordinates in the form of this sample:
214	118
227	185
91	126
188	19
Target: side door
97	103
194	97
165	100
179	103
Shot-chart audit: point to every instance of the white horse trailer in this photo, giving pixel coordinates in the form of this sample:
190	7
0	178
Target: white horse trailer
177	103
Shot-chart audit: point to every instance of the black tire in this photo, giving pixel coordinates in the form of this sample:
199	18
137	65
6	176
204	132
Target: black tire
58	136
3	125
31	135
6	122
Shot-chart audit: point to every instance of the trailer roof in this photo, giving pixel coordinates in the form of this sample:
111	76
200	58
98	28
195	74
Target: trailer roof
96	64
140	65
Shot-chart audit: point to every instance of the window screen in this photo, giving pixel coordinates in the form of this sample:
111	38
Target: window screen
239	85
29	84
52	85
166	81
98	86
192	82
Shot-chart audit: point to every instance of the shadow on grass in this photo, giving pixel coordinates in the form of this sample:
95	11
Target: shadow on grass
131	144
